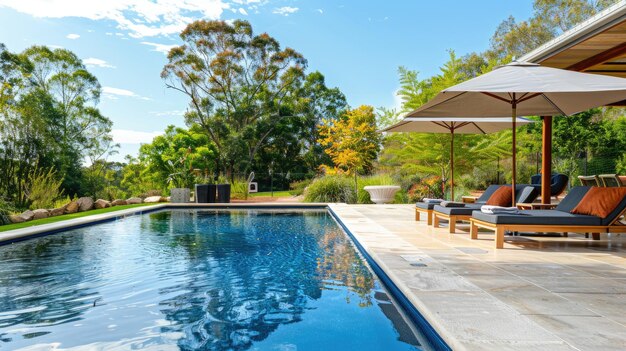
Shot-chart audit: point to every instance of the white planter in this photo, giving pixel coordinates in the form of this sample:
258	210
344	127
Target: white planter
180	195
382	194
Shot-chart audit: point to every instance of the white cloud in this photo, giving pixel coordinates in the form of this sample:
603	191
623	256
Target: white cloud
114	93
125	136
95	62
243	11
247	2
320	11
163	48
285	10
73	36
172	113
142	18
397	100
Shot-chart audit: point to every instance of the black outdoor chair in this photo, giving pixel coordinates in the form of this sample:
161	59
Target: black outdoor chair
558	183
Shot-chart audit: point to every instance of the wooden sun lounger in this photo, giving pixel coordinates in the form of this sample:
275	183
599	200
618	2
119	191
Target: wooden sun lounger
523	192
419	211
557	220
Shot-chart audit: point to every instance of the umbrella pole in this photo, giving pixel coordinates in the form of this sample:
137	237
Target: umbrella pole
452	164
514	113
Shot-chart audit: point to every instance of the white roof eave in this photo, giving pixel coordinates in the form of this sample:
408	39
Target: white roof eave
581	32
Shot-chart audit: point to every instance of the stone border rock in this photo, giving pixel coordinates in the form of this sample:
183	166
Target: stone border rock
82	204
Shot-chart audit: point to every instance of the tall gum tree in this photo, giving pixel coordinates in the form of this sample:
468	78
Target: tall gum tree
239	85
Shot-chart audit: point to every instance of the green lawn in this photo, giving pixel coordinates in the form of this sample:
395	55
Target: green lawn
283	193
48	220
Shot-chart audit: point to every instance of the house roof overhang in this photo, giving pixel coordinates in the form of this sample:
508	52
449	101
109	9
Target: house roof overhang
597	45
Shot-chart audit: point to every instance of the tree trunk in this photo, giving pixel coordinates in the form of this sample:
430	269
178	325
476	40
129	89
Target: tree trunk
356	187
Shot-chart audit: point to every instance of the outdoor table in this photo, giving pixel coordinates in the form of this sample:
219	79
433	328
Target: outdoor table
469	199
535	206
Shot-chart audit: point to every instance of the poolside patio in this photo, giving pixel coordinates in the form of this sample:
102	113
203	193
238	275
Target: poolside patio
539	293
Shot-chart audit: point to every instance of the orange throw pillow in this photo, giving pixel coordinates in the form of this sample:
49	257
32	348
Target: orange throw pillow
501	197
600	202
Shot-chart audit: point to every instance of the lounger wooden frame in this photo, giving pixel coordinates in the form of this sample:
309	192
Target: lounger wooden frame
452	219
615	227
429	214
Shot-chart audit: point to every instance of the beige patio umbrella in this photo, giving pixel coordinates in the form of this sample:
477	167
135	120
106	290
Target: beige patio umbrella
524	89
452	125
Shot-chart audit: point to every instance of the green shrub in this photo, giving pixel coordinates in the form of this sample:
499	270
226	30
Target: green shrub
426	187
6	208
111	193
42	188
62	201
153	192
331	189
239	189
297	188
381	179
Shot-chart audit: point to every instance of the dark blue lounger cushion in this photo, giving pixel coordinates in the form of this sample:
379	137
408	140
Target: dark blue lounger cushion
559	216
425	205
458	211
539	217
523	193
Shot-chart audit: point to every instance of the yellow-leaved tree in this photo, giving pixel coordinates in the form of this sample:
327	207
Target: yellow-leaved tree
352	141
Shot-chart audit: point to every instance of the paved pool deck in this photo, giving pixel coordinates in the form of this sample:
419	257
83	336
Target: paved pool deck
538	293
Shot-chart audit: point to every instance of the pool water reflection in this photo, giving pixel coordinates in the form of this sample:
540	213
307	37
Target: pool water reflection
198	280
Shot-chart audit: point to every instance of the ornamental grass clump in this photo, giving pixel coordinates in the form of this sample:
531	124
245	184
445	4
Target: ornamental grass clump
334	188
43	188
239	189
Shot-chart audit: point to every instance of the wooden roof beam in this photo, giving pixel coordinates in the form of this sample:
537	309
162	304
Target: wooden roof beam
599	58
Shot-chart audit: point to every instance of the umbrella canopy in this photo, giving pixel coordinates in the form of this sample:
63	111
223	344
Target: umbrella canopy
460	125
536	91
453	126
524	89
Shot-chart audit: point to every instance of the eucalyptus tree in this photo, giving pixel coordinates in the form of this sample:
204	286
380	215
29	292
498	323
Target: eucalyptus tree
18	135
240	86
73	122
48	119
550	18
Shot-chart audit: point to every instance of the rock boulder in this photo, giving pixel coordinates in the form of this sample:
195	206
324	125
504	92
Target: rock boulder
134	200
16	219
84	204
101	203
27	215
72	207
119	202
57	211
153	199
40	213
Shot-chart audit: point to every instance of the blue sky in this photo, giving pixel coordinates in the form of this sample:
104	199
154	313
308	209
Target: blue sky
357	45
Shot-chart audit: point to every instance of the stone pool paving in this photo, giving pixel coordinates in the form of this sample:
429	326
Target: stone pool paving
538	293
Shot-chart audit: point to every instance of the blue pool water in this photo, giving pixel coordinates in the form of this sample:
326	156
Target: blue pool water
198	280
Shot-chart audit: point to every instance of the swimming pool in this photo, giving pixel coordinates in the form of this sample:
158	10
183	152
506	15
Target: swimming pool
191	279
